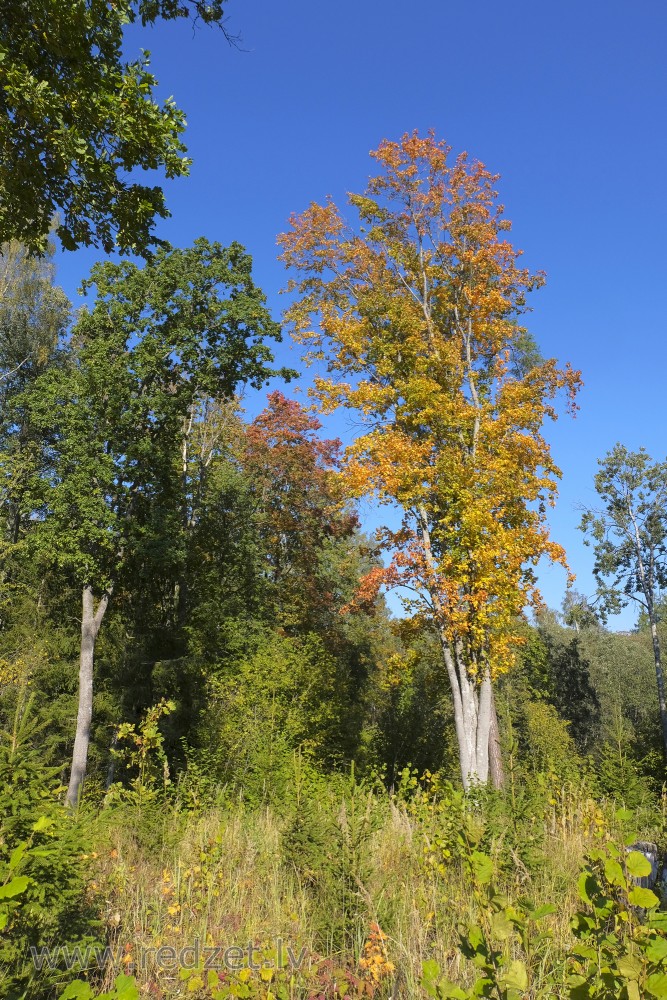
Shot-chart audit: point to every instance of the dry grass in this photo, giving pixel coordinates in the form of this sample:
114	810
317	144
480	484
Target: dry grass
221	878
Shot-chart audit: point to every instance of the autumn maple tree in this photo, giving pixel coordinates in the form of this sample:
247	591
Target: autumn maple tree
416	313
300	505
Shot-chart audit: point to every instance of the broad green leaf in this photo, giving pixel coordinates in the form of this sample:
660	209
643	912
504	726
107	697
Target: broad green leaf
656	985
16	855
584	951
630	967
614	873
15	887
501	926
515	976
638	896
587	886
543	911
77	990
126	988
482	987
43	823
482	867
430	973
638	864
656	949
430	969
451	991
475	937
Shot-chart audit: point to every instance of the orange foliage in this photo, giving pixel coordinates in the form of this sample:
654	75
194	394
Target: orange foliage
417	315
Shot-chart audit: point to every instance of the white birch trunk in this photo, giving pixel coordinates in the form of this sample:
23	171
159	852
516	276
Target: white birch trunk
91	621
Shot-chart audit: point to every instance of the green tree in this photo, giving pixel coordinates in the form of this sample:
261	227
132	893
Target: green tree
629	535
34	314
190	323
77	121
577	612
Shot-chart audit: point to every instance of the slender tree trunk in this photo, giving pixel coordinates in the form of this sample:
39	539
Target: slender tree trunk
496	769
483	729
459	721
659	678
91	621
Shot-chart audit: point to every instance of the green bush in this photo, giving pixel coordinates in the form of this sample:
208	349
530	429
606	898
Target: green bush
44	847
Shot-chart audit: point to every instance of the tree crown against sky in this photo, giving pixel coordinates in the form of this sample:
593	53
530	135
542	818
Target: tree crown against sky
78	122
416	313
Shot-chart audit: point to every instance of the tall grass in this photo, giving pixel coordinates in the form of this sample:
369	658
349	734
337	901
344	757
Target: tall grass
322	871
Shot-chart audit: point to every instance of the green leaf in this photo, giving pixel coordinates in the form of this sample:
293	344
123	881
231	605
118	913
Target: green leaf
515	977
473	943
630	967
16	855
43	823
614	873
126	988
451	990
430	969
15	887
482	867
77	990
656	985
656	949
543	911
501	926
638	864
588	887
482	987
644	898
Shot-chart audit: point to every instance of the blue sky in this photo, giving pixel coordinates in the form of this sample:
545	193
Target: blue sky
566	101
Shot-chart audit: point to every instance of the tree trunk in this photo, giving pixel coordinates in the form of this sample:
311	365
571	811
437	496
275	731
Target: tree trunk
472	717
485	695
496	769
659	678
471	698
91	621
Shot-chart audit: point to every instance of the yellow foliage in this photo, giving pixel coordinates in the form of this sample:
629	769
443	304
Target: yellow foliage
417	314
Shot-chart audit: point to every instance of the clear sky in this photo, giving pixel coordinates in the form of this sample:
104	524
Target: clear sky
566	101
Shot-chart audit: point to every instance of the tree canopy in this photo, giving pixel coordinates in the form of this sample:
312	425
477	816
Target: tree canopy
78	122
416	312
